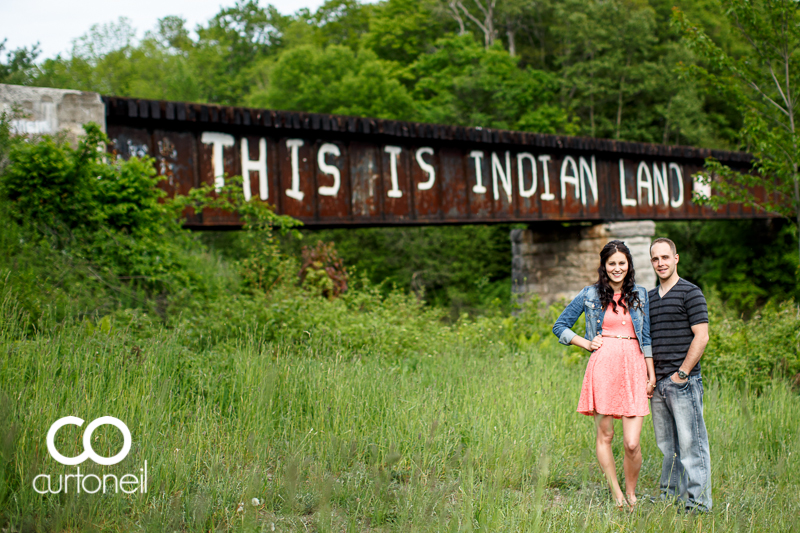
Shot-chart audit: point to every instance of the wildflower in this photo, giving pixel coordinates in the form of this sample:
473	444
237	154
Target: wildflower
255	502
240	509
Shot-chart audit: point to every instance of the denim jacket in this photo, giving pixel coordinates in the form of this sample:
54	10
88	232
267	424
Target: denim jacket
588	301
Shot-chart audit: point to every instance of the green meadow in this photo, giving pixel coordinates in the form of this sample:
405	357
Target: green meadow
413	425
271	390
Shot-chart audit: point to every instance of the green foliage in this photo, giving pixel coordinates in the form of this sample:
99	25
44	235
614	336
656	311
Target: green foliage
761	84
19	67
234	39
463	83
463	268
372	409
402	30
747	262
255	216
341	22
112	215
47	285
261	264
6	139
610	64
85	235
47	244
50	184
369	407
264	266
602	68
755	352
333	80
394	326
108	60
323	270
685	118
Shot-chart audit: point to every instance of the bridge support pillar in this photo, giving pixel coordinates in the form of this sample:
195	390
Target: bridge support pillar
554	261
48	111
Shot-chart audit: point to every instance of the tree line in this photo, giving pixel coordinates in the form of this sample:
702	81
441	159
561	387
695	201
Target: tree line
598	68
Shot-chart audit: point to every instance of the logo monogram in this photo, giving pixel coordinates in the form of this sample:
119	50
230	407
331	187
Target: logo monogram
88	452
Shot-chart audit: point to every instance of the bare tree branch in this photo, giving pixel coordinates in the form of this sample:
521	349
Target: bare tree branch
487	26
755	87
778	85
454	8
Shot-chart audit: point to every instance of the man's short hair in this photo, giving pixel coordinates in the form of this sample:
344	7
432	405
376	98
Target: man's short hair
666	241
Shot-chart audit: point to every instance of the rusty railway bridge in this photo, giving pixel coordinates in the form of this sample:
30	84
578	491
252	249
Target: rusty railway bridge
335	171
331	171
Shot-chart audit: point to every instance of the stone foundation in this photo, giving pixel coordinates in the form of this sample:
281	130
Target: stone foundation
41	110
555	261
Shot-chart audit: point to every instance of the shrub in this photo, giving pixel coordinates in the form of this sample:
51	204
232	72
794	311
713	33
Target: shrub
110	215
753	352
97	235
323	270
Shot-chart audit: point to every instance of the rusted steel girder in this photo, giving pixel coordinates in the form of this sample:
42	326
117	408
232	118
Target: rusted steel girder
329	170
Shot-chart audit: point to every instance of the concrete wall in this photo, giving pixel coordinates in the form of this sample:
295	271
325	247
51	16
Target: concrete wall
555	261
43	110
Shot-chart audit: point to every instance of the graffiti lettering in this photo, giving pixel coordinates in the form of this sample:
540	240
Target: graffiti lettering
646	183
503	175
677	201
294	146
623	189
218	141
427	168
167	153
568	164
547	195
658	183
478	188
329	148
660	178
394	152
526	193
259	165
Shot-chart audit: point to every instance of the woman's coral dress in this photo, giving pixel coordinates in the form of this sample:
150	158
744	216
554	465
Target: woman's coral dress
615	382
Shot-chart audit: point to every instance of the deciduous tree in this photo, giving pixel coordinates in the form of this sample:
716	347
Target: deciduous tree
333	80
20	65
461	82
764	85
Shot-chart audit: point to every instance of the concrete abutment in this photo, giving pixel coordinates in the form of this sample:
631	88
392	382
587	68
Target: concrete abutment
42	110
554	261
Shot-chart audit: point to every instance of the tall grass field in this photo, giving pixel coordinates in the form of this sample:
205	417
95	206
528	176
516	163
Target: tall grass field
411	425
259	389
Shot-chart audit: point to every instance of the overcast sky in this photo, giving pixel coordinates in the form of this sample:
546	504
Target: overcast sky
55	23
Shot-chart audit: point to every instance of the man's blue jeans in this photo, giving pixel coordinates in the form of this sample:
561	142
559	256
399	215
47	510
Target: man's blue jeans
682	437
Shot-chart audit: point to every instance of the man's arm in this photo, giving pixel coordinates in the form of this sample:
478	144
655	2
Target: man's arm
695	350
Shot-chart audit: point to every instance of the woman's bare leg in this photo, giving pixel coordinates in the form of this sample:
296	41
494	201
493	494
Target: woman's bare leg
605	434
631	434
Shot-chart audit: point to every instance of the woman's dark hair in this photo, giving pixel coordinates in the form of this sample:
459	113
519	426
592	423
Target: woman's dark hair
629	294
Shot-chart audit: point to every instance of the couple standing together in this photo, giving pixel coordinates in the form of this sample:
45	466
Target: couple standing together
627	367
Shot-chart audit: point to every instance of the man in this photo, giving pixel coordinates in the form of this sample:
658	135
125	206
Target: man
679	333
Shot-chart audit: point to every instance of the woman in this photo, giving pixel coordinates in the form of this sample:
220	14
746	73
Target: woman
620	375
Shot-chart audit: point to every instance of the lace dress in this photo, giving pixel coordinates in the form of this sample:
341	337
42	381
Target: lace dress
615	382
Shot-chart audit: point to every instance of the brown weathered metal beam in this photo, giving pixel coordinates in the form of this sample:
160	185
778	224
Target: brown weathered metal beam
330	170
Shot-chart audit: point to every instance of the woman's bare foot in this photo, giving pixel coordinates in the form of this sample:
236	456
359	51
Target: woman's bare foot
631	498
621	504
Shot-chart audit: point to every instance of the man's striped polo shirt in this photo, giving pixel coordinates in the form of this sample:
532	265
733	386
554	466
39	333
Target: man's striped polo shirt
671	321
